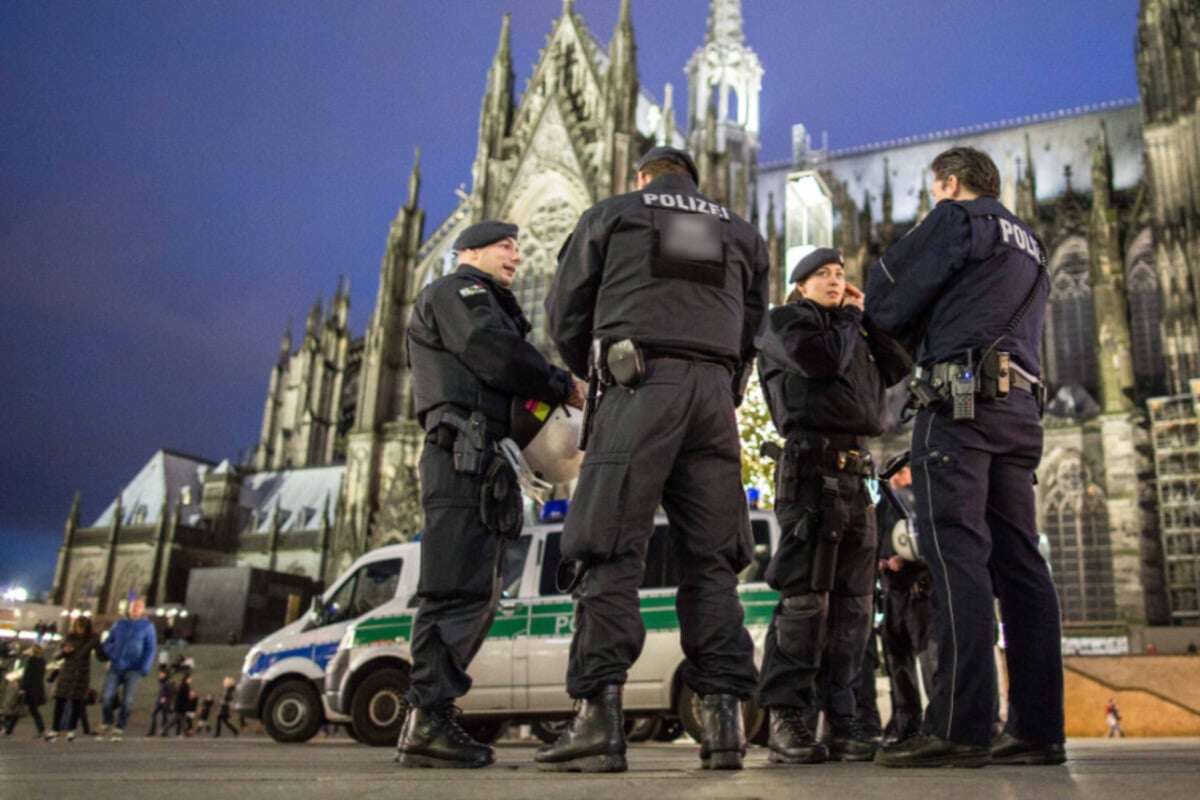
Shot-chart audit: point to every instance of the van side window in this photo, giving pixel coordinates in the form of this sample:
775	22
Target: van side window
514	567
547	584
757	569
662	571
370	586
376	584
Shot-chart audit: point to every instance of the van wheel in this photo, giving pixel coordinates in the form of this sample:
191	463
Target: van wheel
753	718
548	730
377	709
641	729
484	730
671	730
292	712
353	734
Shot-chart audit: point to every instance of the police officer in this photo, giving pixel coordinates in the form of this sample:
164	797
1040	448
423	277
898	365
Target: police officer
907	594
967	289
824	374
469	358
658	294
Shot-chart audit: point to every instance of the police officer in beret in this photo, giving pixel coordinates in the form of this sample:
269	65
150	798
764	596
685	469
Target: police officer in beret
967	290
469	359
658	295
824	371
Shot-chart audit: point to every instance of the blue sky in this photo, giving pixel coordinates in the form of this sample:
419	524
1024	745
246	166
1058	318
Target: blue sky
178	180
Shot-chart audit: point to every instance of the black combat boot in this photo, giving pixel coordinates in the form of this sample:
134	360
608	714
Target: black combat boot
849	743
791	742
595	739
723	740
433	737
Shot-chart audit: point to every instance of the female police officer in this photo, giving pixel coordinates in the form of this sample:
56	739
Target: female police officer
824	374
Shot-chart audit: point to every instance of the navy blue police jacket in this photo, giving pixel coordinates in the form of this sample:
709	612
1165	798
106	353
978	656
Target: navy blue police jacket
952	285
467	348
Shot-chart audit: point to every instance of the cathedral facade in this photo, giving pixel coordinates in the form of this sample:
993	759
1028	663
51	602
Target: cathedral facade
1113	191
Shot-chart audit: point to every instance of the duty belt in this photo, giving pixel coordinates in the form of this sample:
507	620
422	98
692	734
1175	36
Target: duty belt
942	374
856	462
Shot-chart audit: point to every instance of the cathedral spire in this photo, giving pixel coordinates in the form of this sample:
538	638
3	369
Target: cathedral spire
414	180
725	22
622	73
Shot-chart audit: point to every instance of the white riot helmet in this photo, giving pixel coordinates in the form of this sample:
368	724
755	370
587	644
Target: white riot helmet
543	445
904	541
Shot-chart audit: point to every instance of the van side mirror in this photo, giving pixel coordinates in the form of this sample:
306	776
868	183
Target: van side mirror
316	611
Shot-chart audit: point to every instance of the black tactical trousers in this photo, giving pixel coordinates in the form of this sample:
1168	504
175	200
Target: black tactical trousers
976	513
906	610
674	438
459	584
811	627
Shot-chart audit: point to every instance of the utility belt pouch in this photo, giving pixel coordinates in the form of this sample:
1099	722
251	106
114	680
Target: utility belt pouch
925	390
625	362
833	523
994	376
470	446
787	475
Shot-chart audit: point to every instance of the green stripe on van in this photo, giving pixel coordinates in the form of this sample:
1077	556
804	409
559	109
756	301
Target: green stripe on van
555	618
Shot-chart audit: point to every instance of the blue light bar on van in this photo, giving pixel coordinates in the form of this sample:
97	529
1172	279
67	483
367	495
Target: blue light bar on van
753	495
554	510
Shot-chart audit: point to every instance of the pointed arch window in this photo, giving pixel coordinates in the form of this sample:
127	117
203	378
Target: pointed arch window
1145	311
1075	518
1071	321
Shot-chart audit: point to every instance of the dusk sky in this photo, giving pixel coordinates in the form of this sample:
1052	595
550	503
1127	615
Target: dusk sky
177	180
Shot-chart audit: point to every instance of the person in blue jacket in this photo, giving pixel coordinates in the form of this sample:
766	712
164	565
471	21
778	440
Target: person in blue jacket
130	649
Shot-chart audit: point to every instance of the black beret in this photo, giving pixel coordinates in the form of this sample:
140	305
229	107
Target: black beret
680	157
814	261
481	234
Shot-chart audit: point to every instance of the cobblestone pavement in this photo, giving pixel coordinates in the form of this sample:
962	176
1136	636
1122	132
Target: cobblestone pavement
255	767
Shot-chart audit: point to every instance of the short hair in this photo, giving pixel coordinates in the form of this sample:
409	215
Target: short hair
665	166
974	169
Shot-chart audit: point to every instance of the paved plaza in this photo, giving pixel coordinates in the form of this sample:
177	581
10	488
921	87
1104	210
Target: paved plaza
255	767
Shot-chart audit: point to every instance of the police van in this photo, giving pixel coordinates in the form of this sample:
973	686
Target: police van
519	674
283	675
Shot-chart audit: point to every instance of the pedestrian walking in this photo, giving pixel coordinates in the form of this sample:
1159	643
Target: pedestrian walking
202	715
163	701
225	712
1112	717
470	361
130	648
657	297
31	690
74	680
183	707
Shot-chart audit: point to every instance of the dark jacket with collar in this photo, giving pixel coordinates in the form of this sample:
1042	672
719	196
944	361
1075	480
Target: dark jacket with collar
666	267
467	348
825	369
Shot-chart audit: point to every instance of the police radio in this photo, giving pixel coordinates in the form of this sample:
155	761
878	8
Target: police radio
962	390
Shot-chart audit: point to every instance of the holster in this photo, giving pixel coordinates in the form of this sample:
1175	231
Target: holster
466	438
829	536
